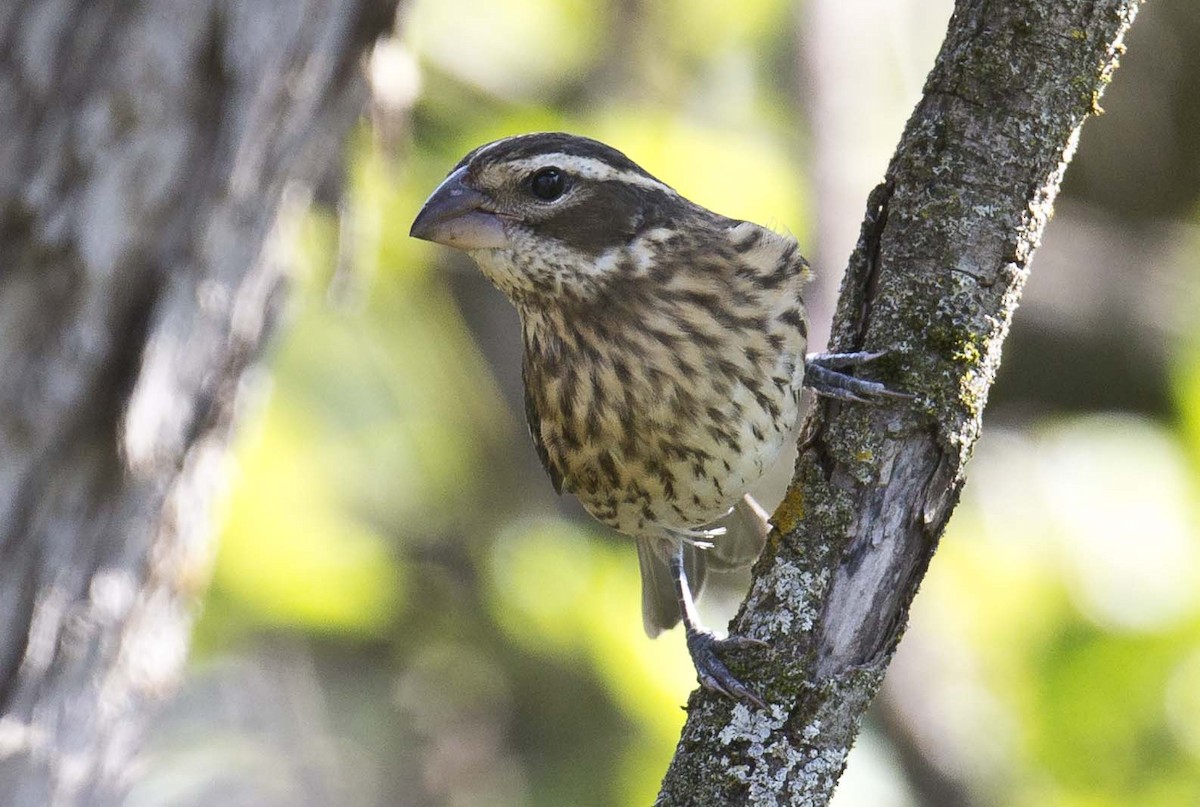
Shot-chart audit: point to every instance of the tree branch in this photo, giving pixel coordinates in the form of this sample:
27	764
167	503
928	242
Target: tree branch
935	278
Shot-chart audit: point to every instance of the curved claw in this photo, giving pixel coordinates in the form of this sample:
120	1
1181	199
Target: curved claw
824	375
836	361
712	673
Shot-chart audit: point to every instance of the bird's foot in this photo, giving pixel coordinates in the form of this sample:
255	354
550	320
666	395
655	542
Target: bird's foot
712	673
823	374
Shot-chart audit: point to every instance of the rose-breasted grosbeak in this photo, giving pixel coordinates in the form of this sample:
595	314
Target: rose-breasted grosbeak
664	351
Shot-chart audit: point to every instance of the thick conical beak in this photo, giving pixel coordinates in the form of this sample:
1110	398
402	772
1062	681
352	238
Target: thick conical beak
459	216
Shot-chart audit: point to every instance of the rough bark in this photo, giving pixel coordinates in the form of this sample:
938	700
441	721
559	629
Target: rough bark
145	148
935	278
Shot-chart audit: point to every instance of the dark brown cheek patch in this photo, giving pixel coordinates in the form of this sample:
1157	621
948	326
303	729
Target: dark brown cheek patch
612	215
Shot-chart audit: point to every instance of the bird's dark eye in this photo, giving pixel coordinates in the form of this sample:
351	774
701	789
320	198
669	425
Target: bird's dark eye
548	184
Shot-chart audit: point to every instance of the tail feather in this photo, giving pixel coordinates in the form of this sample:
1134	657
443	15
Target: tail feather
746	533
660	605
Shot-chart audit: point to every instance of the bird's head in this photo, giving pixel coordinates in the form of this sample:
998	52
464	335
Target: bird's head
550	215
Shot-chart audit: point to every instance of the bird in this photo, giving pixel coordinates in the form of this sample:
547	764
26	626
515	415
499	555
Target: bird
663	354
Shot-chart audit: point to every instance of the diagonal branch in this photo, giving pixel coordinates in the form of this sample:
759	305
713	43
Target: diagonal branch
935	278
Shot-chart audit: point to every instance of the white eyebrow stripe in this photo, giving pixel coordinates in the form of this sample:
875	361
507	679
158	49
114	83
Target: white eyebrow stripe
588	168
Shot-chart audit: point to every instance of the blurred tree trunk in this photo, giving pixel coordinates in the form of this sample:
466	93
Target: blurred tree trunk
935	279
145	149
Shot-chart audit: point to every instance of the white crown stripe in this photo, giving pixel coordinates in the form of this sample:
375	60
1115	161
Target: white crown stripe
588	168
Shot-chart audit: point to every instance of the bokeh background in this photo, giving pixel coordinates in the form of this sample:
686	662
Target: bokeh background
403	613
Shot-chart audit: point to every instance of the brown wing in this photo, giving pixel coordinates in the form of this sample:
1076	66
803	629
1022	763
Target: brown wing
534	421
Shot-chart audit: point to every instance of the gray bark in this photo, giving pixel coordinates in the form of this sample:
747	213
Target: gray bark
939	268
145	148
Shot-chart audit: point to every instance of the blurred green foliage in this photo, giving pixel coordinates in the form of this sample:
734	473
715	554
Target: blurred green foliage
478	645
